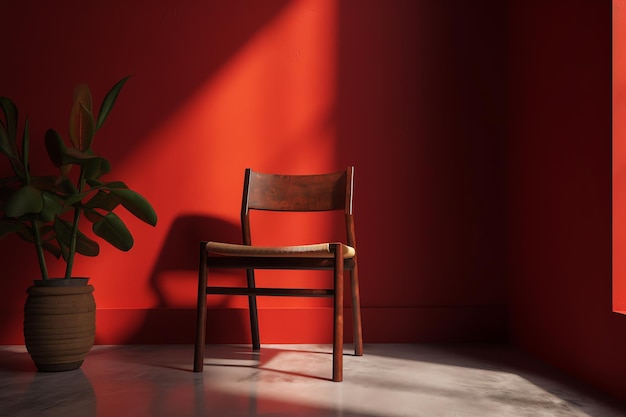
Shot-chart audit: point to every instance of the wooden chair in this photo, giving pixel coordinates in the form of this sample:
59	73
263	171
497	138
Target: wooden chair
299	193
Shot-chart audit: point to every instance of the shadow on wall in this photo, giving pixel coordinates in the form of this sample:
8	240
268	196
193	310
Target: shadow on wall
426	138
174	281
178	260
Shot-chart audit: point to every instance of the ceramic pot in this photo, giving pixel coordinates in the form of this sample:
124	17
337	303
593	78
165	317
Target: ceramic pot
59	323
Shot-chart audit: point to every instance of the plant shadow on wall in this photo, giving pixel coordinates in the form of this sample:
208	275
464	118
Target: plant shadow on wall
49	212
174	280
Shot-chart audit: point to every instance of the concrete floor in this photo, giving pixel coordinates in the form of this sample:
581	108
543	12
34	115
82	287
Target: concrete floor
293	380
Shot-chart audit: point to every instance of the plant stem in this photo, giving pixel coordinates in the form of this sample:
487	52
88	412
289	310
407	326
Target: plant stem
35	223
39	248
72	249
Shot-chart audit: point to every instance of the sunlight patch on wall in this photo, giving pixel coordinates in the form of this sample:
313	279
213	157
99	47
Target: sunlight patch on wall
619	156
271	107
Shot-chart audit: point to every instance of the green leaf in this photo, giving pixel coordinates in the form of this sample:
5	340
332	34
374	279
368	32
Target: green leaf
82	95
46	231
10	114
75	198
8	137
63	231
26	152
52	248
55	147
109	101
103	200
7	146
5	143
65	185
8	227
84	245
92	215
27	234
116	185
112	229
96	167
137	205
27	199
82	125
94	183
51	207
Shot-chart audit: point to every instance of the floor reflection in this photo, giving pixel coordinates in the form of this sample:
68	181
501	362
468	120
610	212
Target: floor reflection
292	380
49	394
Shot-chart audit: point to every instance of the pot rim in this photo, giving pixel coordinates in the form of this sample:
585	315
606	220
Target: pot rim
61	282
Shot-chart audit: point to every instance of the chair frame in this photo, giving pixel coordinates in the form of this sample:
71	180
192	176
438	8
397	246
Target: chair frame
322	192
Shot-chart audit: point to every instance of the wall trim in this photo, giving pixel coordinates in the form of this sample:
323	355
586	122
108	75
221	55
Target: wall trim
289	325
307	325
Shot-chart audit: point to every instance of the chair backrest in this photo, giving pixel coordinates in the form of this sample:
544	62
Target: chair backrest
300	193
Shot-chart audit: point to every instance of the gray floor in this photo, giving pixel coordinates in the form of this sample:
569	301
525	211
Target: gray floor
293	381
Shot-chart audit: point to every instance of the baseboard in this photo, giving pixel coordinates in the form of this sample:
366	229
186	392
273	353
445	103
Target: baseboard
288	325
310	325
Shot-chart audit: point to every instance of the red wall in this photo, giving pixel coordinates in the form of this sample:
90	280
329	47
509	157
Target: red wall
420	106
408	92
619	157
559	189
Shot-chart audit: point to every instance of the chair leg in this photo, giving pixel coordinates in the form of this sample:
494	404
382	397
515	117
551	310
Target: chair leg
356	312
338	316
254	314
198	363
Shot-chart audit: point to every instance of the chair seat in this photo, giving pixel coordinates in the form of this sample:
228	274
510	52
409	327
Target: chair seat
318	250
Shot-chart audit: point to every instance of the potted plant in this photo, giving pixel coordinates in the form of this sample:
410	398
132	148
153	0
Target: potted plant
49	212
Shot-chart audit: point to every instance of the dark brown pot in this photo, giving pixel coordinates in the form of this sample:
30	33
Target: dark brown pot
59	323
